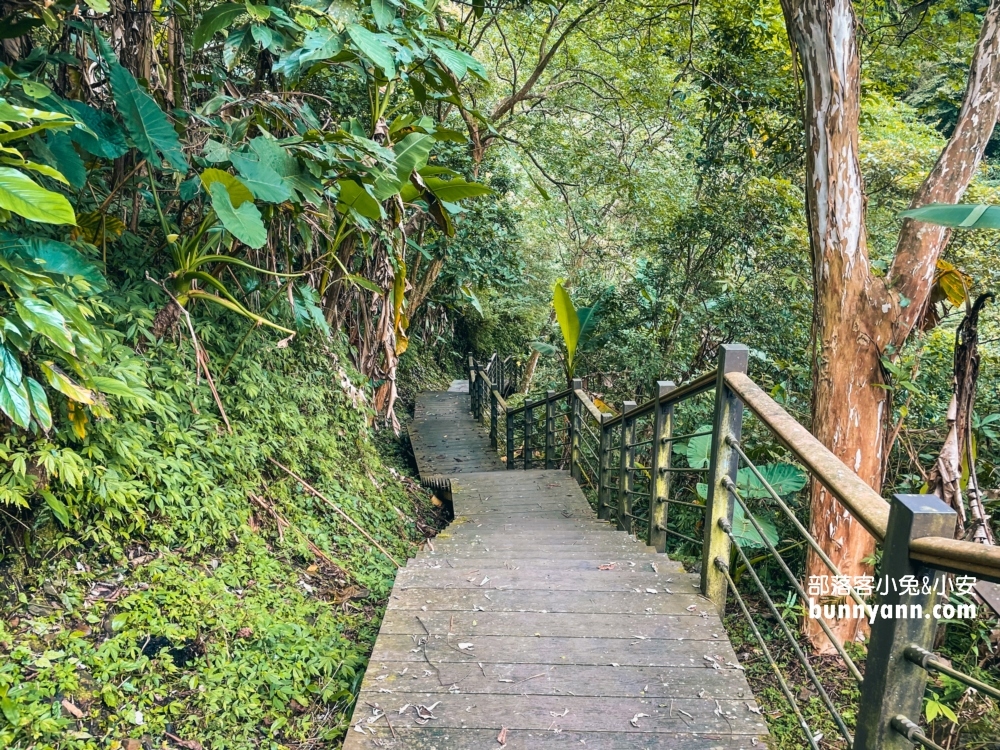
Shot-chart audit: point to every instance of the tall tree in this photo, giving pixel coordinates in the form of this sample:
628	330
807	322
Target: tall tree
858	317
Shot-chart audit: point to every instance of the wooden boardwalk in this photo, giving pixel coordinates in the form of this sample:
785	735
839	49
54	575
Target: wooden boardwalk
531	624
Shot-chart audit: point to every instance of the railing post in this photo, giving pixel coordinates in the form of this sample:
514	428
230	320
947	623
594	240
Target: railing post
494	412
604	473
472	384
626	462
575	420
510	440
894	686
663	427
529	423
722	465
550	429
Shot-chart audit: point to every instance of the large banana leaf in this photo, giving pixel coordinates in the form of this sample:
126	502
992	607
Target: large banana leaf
353	195
149	127
569	321
959	216
374	48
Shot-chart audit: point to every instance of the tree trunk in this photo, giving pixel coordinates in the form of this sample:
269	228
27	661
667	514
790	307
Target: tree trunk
856	316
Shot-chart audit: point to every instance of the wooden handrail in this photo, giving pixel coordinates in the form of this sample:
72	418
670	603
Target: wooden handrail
958	556
865	504
700	384
589	405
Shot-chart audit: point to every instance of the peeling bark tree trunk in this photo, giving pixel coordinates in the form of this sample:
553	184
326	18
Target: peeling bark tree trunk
857	316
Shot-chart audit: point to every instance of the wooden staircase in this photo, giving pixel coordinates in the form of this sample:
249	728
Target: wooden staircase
531	624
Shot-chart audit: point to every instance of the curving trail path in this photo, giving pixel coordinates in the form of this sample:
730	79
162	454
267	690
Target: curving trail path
532	625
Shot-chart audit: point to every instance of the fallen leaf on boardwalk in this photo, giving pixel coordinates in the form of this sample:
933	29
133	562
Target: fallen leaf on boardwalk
484	581
692	608
71	709
465	646
753	709
357	728
403	709
634	721
502	737
559	716
652	591
607	566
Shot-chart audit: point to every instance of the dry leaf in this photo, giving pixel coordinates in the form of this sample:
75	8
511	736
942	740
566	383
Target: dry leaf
71	709
634	721
502	737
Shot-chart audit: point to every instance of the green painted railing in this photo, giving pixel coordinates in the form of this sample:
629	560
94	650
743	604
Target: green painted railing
624	463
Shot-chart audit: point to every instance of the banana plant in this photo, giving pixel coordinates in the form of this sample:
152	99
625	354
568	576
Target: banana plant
578	327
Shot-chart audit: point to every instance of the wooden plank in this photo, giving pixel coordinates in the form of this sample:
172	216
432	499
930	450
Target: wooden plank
591	581
434	738
470	600
558	679
689	626
531	650
620	563
573	713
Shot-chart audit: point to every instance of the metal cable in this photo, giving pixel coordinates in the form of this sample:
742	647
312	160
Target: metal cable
803	724
837	718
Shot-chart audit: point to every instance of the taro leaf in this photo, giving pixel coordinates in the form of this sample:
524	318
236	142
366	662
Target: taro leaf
353	195
699	448
411	154
744	532
66	159
238	192
59	510
373	47
39	404
149	127
244	222
273	155
216	19
14	402
45	320
21	195
106	139
784	478
263	181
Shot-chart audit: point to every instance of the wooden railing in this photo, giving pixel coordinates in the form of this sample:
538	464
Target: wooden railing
624	463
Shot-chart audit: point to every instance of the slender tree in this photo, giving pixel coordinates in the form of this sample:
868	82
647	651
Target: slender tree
858	317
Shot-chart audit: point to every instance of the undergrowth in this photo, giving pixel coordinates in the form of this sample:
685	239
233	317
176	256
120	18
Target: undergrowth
182	587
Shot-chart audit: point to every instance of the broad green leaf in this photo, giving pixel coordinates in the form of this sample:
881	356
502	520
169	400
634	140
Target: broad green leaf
265	183
274	155
569	321
543	348
53	257
320	44
784	479
9	710
35	90
20	195
244	222
364	283
959	216
215	19
149	127
383	13
589	318
100	6
46	321
373	48
67	160
411	154
40	404
62	383
458	62
308	313
113	386
746	535
43	169
102	136
353	195
14	402
455	190
58	508
699	448
238	192
11	364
